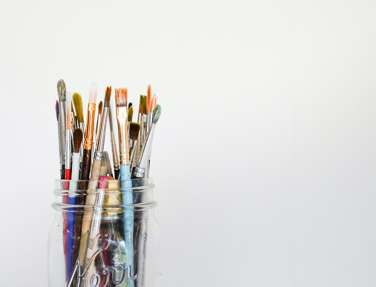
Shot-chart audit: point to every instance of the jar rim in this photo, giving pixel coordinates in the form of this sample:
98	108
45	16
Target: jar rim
63	186
72	195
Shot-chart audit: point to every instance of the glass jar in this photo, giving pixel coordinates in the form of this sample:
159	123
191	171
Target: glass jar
97	240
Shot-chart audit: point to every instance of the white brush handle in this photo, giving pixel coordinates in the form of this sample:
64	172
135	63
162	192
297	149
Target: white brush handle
75	171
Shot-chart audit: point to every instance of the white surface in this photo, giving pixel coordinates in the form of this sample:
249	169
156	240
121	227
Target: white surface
265	154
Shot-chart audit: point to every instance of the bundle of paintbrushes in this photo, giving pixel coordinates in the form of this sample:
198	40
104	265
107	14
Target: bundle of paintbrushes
106	203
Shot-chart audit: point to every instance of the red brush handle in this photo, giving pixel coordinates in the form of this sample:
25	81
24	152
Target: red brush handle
67	174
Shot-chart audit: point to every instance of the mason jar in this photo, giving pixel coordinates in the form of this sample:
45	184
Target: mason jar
97	240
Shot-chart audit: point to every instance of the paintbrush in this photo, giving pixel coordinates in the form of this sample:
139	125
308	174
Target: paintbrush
89	135
130	112
125	181
141	121
141	171
115	156
149	102
154	102
73	230
58	133
100	108
84	257
79	110
106	167
134	129
142	164
68	139
61	90
67	176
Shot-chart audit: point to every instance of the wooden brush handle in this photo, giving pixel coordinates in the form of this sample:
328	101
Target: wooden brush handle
86	163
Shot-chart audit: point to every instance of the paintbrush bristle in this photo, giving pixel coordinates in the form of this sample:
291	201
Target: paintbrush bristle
61	90
100	107
148	100
69	120
121	97
77	140
57	110
134	129
156	114
78	107
93	94
142	108
154	102
107	97
130	112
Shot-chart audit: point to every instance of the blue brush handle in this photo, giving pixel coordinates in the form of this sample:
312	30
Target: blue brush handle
126	189
70	237
71	217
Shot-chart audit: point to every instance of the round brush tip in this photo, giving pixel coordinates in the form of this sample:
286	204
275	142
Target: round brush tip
156	114
61	90
77	140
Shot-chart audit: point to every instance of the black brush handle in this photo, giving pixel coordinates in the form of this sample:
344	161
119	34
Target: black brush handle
116	171
80	200
86	164
62	171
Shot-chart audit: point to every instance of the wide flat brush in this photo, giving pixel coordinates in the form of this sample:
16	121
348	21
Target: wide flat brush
125	181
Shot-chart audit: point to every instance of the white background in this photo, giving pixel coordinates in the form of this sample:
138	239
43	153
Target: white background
264	157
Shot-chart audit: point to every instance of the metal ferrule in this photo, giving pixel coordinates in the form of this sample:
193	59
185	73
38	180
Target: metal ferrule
62	131
98	155
122	117
115	154
102	130
68	149
89	132
145	155
138	172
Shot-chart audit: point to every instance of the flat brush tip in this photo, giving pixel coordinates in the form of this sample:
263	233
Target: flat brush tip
107	97
134	129
142	104
93	94
77	140
77	102
121	97
100	107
